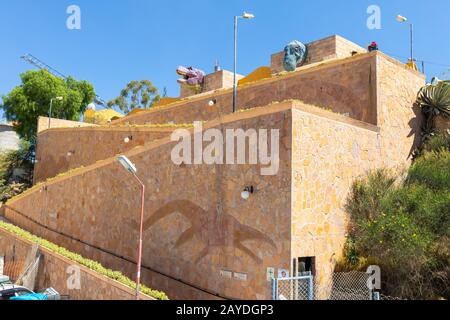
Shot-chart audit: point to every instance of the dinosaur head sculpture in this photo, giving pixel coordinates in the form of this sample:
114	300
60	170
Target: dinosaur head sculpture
191	76
295	55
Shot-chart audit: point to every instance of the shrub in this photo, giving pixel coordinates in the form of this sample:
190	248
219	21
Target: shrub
405	228
432	169
437	142
366	194
11	186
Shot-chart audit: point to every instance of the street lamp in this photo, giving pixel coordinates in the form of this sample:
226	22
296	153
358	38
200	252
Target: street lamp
50	110
130	167
403	19
248	16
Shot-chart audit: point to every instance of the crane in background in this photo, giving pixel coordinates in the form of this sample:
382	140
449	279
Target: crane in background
42	65
444	74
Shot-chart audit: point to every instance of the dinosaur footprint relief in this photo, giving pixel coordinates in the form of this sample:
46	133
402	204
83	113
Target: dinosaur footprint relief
210	227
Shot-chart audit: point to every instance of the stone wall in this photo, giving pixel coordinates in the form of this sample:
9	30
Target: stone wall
43	124
60	150
344	86
347	87
206	230
53	272
399	120
327	157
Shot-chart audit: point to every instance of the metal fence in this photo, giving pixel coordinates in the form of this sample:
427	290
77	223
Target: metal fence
293	288
345	286
340	286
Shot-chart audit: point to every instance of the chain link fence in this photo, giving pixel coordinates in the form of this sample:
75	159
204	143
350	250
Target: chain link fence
296	288
340	286
344	286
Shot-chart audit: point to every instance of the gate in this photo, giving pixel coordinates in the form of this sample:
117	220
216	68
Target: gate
294	288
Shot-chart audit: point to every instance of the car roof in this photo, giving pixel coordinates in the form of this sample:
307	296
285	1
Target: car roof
9	286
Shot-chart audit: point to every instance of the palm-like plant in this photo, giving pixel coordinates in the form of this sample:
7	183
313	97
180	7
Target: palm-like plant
434	99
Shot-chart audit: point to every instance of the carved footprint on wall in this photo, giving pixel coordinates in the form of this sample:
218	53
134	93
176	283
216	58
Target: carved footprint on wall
210	227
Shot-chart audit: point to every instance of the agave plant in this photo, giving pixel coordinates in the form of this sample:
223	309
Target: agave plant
434	99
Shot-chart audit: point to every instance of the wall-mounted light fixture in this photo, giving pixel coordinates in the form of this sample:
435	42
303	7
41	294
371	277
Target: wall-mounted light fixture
248	191
212	102
128	139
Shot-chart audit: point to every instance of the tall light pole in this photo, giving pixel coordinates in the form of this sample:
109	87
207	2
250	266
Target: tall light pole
403	19
130	167
50	110
245	15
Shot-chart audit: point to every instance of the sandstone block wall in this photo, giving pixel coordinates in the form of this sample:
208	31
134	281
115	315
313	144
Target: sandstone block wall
43	124
399	120
327	156
53	272
60	150
345	86
206	229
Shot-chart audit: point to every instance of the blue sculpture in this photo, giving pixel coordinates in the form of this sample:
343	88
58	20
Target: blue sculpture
295	55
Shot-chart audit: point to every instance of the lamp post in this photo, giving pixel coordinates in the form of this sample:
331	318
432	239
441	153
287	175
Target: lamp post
50	110
403	19
245	15
130	167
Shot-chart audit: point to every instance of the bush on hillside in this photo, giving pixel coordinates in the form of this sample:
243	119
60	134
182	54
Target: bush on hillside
13	184
405	228
438	141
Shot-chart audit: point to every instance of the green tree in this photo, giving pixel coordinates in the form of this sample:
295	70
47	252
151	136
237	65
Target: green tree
25	103
137	94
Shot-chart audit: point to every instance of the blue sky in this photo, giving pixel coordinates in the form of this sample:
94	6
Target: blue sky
124	40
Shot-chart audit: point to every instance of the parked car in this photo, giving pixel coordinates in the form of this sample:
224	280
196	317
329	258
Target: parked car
9	290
